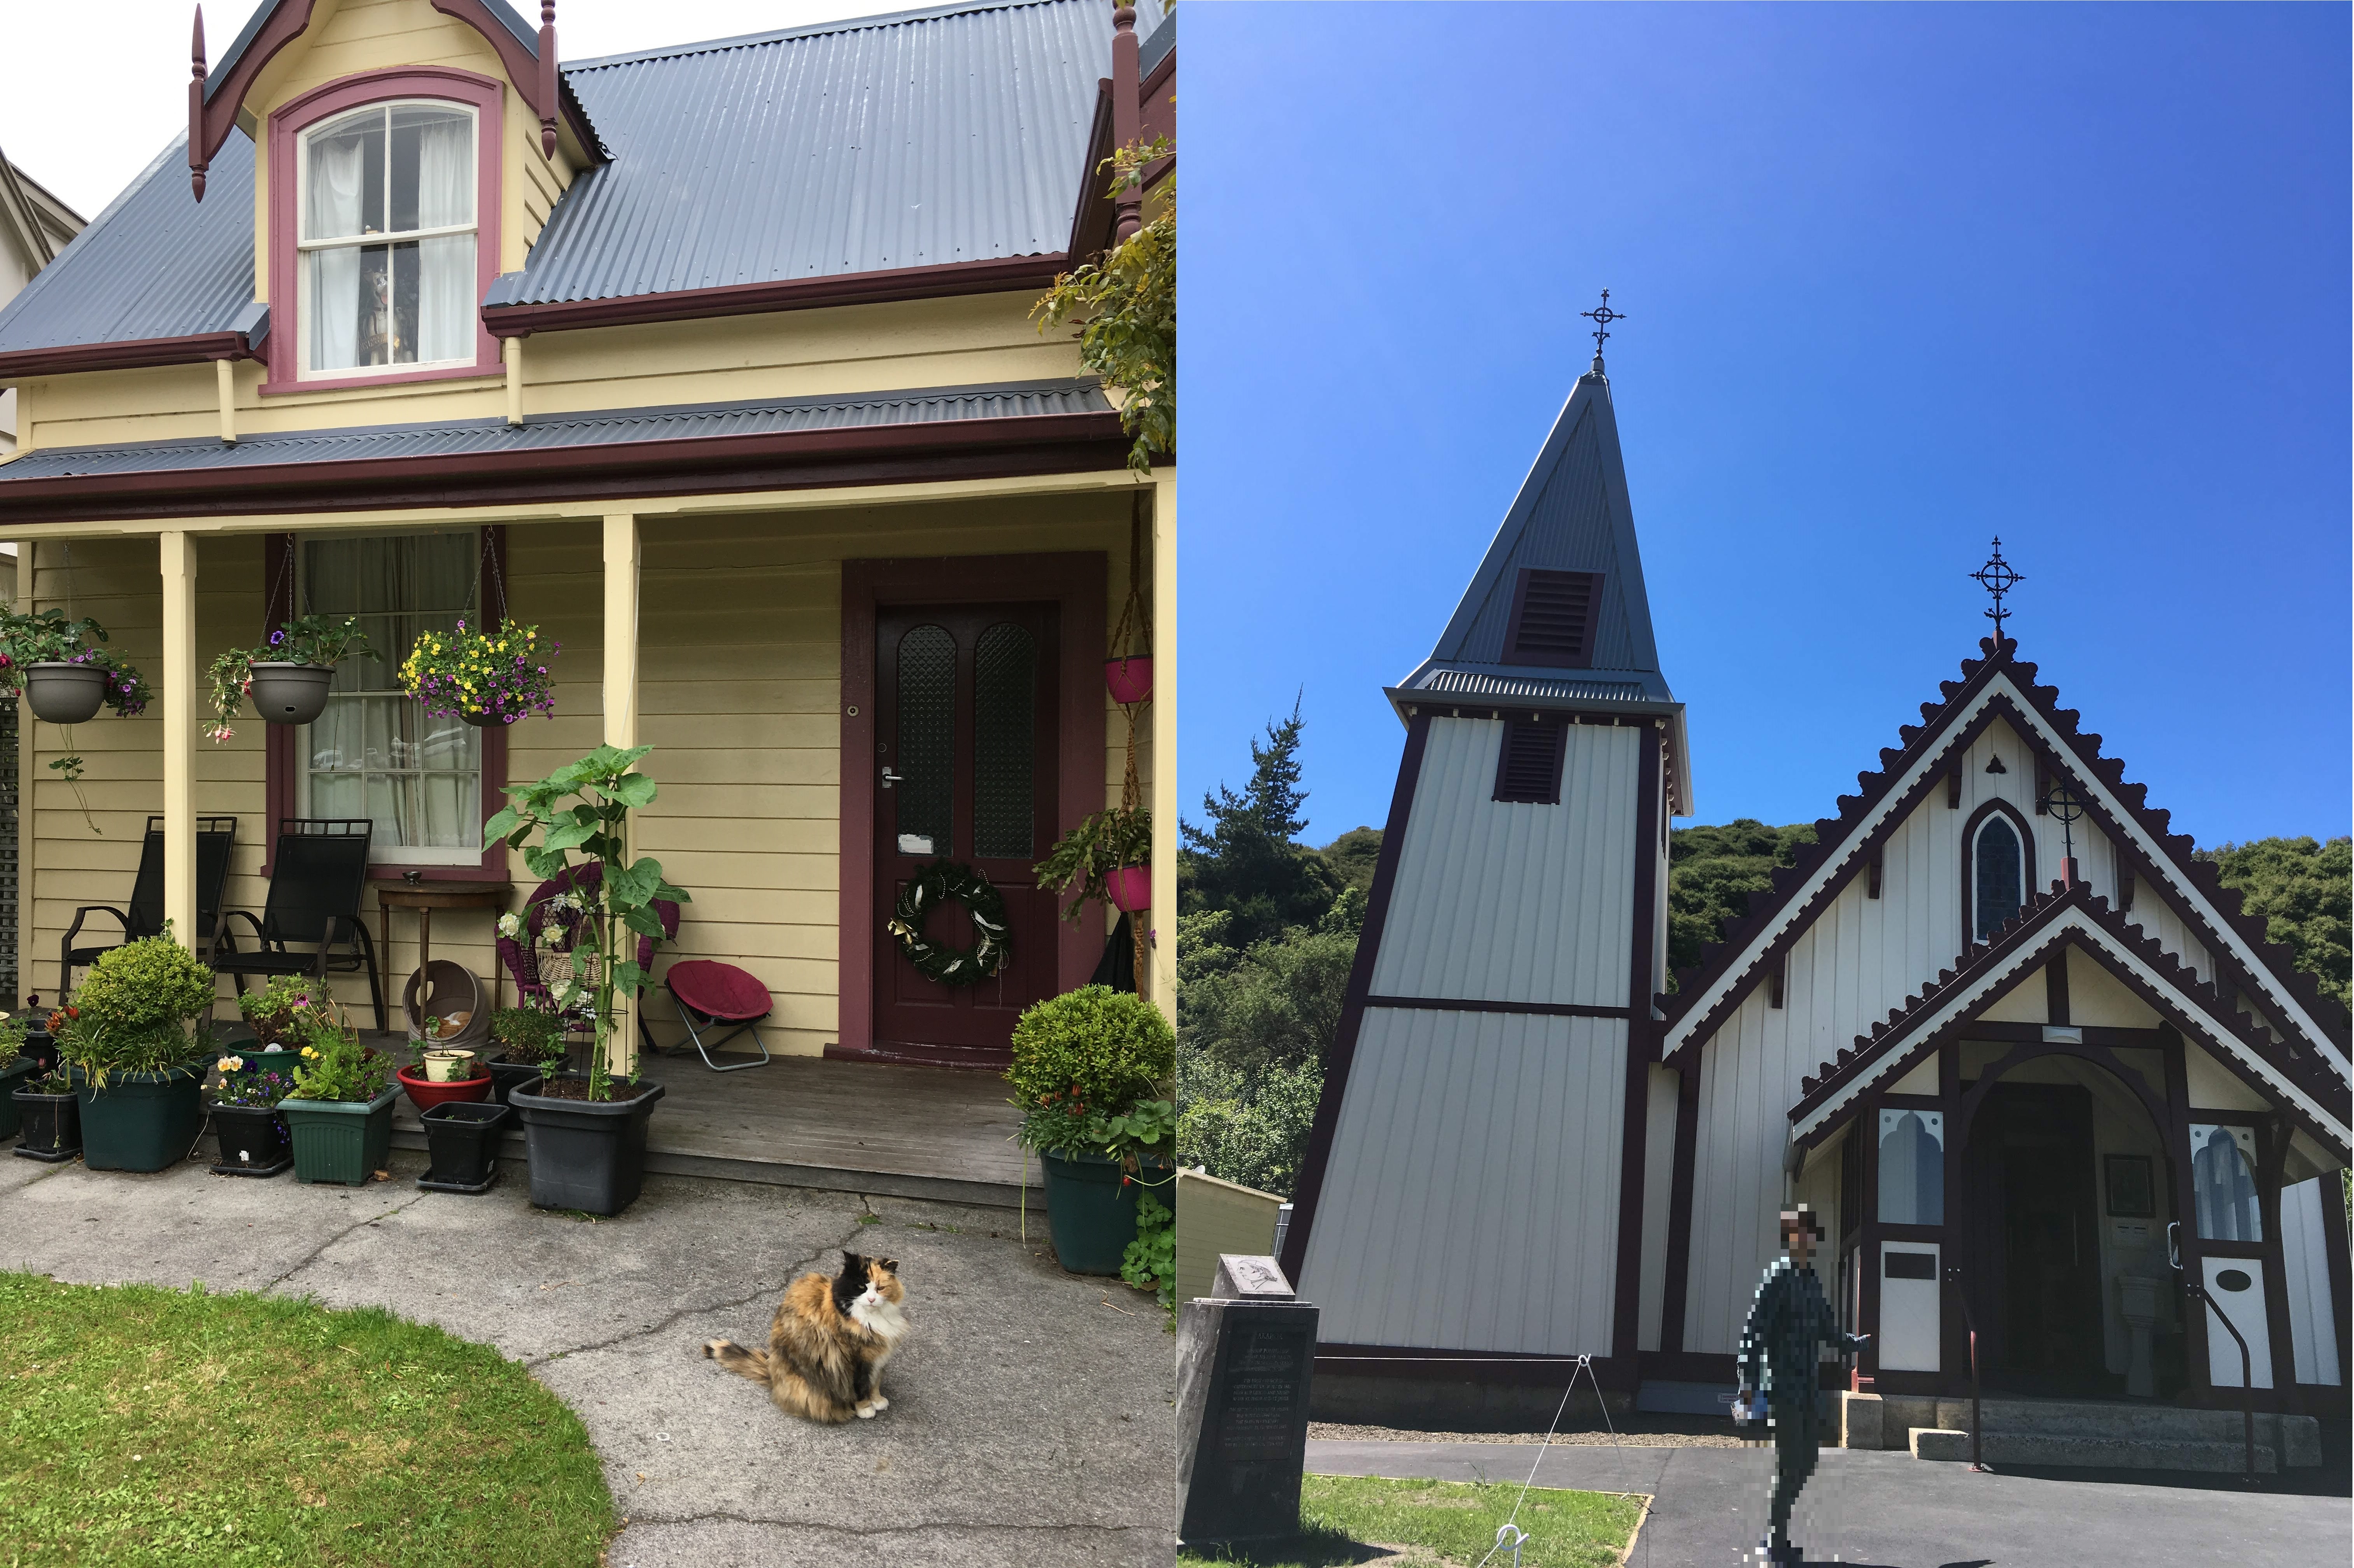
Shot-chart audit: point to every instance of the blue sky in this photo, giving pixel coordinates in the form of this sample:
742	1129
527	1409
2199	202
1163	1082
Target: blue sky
1897	279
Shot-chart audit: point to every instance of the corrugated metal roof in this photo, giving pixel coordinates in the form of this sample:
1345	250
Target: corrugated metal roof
551	432
873	144
915	140
1474	684
155	263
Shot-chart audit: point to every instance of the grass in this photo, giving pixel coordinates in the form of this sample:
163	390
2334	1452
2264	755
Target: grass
149	1427
1343	1517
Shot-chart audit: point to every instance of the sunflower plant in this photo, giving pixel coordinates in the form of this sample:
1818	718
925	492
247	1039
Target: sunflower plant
482	677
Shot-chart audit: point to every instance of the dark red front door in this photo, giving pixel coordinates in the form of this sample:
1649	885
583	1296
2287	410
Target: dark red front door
965	731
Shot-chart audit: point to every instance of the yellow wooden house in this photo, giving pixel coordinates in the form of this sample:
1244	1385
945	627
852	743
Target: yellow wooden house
716	363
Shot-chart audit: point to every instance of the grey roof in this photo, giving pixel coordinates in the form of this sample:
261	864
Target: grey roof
553	431
952	134
155	263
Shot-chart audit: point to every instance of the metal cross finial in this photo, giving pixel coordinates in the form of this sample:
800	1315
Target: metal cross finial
1602	317
1997	577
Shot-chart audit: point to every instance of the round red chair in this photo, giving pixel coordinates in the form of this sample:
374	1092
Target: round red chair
707	994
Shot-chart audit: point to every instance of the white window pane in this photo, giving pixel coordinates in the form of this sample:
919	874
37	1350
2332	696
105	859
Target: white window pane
449	812
2224	1182
433	167
339	167
337	322
338	795
446	303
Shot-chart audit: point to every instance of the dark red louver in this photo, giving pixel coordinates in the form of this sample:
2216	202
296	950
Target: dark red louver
1529	769
1552	619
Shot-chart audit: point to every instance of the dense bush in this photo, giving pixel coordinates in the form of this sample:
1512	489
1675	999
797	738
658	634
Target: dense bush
1111	1046
527	1035
1251	1129
2300	888
154	980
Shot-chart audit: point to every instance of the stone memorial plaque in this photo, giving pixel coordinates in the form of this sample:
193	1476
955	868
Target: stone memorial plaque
1244	1363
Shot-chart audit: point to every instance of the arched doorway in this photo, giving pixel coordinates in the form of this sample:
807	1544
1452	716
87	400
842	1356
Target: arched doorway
2056	1224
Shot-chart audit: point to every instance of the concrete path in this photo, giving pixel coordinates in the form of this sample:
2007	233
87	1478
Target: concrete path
1892	1510
1031	1415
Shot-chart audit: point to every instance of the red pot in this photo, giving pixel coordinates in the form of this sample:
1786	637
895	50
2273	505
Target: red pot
425	1094
1130	680
1131	888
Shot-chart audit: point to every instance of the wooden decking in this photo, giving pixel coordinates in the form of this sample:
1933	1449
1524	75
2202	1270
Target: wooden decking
804	1121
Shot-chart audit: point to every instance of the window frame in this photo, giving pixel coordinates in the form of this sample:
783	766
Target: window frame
289	127
1970	832
284	767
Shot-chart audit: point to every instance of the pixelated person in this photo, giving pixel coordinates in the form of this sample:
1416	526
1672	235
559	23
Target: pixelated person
1789	1322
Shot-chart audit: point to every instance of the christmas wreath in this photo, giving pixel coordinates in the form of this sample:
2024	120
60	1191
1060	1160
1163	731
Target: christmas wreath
936	961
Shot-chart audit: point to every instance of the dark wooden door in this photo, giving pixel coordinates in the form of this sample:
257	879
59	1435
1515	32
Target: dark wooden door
965	771
2038	1238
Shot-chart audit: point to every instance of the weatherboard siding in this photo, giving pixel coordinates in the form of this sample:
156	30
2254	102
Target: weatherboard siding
1509	901
740	691
1472	1198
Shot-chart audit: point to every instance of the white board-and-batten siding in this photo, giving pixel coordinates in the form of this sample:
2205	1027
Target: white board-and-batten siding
1846	969
1512	901
1472	1198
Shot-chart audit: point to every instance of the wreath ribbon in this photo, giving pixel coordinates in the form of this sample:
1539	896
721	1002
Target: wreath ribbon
941	882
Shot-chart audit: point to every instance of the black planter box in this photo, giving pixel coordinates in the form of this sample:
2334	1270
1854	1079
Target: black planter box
42	1047
253	1141
585	1154
12	1078
507	1076
50	1126
464	1139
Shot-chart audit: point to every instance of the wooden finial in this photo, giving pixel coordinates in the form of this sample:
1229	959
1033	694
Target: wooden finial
547	88
1127	110
197	162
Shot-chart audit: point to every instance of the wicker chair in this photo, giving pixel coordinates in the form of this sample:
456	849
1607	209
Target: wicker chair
529	965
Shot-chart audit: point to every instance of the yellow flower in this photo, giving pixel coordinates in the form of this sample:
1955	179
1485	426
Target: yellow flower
307	1050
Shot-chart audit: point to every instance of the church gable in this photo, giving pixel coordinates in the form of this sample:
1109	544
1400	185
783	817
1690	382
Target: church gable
1905	839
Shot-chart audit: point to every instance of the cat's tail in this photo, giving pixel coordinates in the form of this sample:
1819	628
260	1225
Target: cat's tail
753	1365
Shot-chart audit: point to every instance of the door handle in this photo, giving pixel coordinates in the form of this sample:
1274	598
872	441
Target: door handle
890	777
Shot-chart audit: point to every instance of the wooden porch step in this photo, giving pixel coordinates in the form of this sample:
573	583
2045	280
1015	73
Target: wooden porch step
971	1057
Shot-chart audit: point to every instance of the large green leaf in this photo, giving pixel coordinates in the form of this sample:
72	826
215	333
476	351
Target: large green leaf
641	918
504	823
544	864
568	835
628	979
634	790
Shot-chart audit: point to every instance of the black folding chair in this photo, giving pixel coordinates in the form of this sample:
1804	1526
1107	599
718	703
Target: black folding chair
317	878
143	917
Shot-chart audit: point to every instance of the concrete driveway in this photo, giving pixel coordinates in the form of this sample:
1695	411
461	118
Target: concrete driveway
1893	1510
1032	1418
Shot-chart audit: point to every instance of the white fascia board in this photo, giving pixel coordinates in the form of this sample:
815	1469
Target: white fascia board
2076	921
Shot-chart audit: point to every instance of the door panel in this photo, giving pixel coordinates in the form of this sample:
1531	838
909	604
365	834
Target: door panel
965	721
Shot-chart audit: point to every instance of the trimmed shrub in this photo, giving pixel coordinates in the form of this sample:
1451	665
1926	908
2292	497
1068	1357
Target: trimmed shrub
1111	1046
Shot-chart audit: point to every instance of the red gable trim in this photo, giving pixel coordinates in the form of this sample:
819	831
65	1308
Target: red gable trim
938	281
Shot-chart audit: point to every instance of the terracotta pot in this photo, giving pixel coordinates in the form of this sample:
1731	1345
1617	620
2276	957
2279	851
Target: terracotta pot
1131	888
64	693
424	1094
290	694
1130	680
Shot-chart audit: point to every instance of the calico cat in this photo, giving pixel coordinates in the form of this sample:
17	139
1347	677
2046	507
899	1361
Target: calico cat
827	1342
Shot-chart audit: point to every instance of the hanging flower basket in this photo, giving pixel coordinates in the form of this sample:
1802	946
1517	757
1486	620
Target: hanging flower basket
290	694
65	674
1131	888
485	678
64	693
1130	680
287	677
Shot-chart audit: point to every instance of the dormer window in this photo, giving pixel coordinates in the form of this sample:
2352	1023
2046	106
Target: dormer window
387	241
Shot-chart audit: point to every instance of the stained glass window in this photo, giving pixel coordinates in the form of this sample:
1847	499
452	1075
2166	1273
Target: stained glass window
927	742
1005	764
2000	875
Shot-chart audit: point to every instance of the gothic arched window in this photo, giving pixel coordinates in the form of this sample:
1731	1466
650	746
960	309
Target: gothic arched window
1998	875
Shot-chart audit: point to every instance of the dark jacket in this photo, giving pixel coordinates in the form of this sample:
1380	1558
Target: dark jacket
1781	1343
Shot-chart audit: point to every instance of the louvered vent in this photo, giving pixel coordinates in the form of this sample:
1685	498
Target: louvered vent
1530	769
1552	619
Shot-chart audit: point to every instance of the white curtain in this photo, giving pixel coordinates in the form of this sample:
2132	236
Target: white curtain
336	170
445	196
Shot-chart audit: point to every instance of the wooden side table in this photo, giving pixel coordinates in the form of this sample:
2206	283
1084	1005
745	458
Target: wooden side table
424	897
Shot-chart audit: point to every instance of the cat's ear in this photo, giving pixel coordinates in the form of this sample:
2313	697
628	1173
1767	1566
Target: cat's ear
888	1265
851	1261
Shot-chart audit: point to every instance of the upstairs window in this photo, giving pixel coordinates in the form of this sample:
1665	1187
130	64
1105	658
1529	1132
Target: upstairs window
1552	619
2000	874
386	238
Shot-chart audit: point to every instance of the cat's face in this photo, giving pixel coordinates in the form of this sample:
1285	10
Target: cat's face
866	1282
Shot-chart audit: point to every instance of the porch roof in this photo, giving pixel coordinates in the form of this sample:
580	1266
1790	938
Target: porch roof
2303	1082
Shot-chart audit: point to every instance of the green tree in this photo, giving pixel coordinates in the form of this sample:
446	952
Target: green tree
1713	872
1352	857
2302	889
1126	304
1249	861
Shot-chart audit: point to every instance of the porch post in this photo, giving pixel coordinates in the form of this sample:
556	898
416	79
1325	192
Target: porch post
1164	743
620	694
27	840
180	566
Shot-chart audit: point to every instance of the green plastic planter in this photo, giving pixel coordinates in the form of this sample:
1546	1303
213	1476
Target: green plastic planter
12	1078
345	1141
141	1121
1090	1212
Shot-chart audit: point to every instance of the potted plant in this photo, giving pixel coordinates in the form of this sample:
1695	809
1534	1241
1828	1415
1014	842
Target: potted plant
287	677
251	1134
136	1067
339	1112
1107	859
63	669
274	1017
18	1068
1089	1076
482	677
585	1133
531	1041
463	1141
49	1119
441	1077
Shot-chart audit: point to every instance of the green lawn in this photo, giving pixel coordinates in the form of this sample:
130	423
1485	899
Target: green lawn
1442	1523
149	1427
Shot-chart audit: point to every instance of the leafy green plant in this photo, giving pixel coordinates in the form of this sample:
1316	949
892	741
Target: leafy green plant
262	1086
132	1014
13	1029
334	1065
527	1035
277	1013
1151	1261
1126	304
305	639
583	808
1082	1061
47	636
1085	857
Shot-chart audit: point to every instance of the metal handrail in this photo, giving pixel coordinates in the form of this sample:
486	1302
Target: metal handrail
1977	1425
2197	1291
